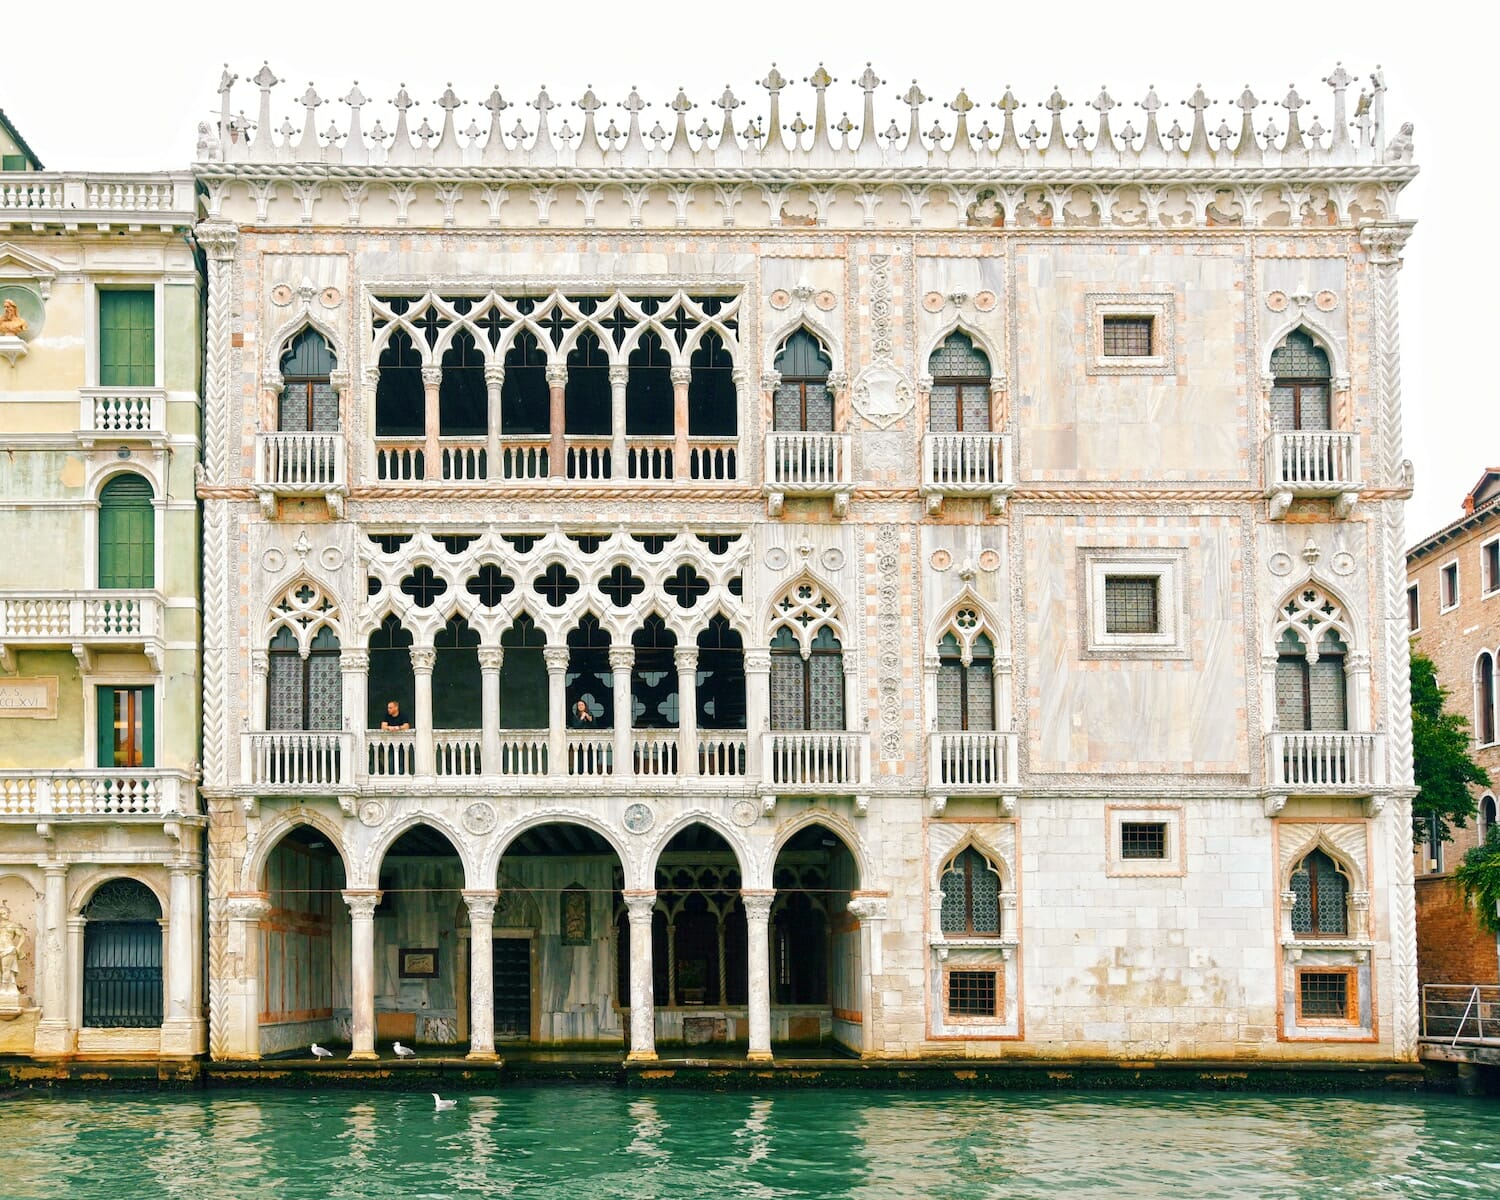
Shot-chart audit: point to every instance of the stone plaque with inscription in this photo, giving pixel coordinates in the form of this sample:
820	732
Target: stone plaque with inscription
35	698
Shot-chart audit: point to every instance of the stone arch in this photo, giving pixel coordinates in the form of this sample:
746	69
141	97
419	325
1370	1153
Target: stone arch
1336	841
982	342
732	835
374	856
835	824
776	614
271	834
947	621
303	618
1342	621
116	468
95	879
971	840
777	339
281	340
1288	322
489	866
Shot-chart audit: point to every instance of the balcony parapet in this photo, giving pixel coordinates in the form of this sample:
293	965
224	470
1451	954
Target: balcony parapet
816	763
82	621
807	464
1313	463
122	415
84	795
298	465
1325	763
971	763
297	761
166	202
966	464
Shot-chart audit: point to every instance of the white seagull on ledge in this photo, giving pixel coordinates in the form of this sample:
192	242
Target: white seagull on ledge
319	1052
403	1051
443	1105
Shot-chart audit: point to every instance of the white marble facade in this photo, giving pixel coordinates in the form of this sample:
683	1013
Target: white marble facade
877	526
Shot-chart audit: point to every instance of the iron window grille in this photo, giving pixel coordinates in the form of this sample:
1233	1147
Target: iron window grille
1128	336
1132	604
1143	839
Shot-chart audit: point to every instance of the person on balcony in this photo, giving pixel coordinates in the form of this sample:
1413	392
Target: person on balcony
581	714
394	718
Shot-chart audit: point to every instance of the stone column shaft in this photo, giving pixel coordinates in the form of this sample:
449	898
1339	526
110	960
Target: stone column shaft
622	664
758	929
556	658
618	378
362	970
240	1013
681	378
557	381
491	660
494	380
481	974
686	660
640	906
53	1035
423	659
355	668
432	379
757	707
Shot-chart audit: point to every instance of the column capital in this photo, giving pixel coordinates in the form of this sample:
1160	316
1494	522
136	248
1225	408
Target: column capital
491	658
248	906
640	906
686	658
494	373
356	661
260	662
557	375
621	658
757	903
362	904
770	381
372	376
757	662
870	906
838	383
556	658
339	381
1385	240
619	376
423	659
54	870
432	376
481	904
219	240
682	375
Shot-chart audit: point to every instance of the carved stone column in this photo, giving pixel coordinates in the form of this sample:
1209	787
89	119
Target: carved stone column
494	381
619	377
354	668
53	1036
75	974
481	974
423	659
639	906
432	381
362	970
556	658
491	660
219	241
758	928
757	707
1357	680
370	451
557	382
871	911
260	671
240	1011
181	1030
681	378
686	660
621	665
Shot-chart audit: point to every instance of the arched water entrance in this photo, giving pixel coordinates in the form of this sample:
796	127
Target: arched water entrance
816	969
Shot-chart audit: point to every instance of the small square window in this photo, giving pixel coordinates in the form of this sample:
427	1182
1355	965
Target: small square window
1448	586
1323	996
1489	558
1413	610
1128	336
13	162
973	993
1131	604
1143	839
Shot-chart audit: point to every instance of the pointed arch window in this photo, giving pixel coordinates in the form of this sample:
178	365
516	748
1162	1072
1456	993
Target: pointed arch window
712	399
960	397
650	405
653	678
1300	387
400	399
965	691
127	533
1321	907
803	402
309	403
587	398
590	678
1484	699
971	896
463	399
391	677
721	676
807	693
525	400
1311	692
122	957
304	693
523	676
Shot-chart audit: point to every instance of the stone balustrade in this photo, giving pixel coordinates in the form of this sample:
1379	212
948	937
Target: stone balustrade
103	792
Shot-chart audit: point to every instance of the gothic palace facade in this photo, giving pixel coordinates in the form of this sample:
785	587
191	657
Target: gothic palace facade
940	594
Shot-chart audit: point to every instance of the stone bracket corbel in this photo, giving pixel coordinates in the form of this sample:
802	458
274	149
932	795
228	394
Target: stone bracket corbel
7	657
861	806
768	803
1374	805
841	504
1278	502
1343	504
250	805
44	830
775	502
347	806
84	656
1007	806
267	499
1274	805
173	829
936	805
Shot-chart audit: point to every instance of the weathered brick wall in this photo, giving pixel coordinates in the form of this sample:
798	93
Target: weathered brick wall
1451	945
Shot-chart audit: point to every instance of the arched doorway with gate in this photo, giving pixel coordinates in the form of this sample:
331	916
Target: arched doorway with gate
122	961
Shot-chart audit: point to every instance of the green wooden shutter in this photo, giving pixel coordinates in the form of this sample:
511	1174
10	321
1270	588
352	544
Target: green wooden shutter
127	339
127	533
106	726
148	727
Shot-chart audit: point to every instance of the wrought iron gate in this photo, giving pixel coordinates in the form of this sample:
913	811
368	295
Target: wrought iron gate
512	983
122	974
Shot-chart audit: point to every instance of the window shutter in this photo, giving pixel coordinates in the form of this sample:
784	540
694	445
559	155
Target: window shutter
127	540
105	726
148	727
127	339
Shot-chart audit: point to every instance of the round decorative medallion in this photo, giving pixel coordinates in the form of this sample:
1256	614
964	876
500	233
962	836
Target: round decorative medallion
989	560
780	298
273	560
933	302
985	301
743	814
331	557
777	558
331	297
1343	563
479	817
832	558
281	295
1326	301
371	813
825	300
1281	563
639	818
941	560
1276	301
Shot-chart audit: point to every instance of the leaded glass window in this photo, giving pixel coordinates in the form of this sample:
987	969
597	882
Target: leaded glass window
309	403
960	397
803	402
965	693
304	693
971	896
1321	907
807	693
1311	695
1299	392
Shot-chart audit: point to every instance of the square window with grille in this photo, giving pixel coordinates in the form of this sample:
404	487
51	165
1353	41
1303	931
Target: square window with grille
973	994
1143	839
1324	995
1128	336
1131	604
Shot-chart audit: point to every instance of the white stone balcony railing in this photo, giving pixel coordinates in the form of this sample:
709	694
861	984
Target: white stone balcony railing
524	752
121	792
297	760
122	414
137	201
650	458
1326	762
712	459
654	752
390	754
589	458
973	761
398	460
1317	462
807	464
457	751
723	752
816	762
84	621
525	458
465	460
590	753
966	464
300	464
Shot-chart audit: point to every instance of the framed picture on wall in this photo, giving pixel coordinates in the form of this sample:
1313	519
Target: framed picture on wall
419	962
575	916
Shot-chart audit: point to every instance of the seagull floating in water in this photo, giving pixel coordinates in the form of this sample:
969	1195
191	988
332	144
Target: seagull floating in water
319	1052
403	1051
443	1105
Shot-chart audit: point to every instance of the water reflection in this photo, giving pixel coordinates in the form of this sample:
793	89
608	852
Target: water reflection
597	1143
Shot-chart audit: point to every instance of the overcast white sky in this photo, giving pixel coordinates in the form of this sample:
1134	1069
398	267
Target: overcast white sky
106	86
